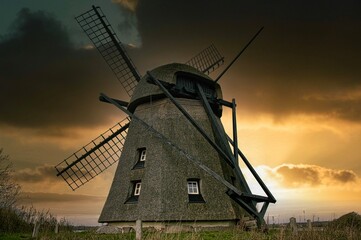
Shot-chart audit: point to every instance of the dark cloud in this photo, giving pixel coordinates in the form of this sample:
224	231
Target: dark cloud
37	197
307	56
311	175
45	81
128	28
304	62
47	174
39	174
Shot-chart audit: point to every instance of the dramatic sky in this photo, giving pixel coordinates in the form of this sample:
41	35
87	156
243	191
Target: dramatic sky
297	87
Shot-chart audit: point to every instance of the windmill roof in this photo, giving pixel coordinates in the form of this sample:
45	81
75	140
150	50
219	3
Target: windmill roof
166	73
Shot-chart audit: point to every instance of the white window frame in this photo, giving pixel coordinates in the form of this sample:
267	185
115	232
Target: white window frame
193	187
143	155
137	188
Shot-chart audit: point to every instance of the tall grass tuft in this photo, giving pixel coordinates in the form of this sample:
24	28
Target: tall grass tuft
23	219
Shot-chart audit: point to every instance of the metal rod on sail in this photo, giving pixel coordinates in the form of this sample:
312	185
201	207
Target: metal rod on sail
239	54
235	138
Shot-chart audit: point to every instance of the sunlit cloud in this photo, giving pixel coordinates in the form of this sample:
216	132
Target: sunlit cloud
131	45
128	27
129	4
308	176
88	47
43	179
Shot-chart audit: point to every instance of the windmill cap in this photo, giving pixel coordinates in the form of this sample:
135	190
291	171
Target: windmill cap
169	73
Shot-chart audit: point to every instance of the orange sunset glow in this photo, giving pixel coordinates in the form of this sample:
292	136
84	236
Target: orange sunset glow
297	90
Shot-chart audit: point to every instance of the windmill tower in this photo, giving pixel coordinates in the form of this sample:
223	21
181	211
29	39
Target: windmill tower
176	164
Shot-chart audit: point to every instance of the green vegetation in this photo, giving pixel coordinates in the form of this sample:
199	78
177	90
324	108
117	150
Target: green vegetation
22	220
349	221
327	233
17	222
9	190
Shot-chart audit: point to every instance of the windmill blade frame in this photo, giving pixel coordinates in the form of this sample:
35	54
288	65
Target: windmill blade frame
220	134
207	60
96	26
95	157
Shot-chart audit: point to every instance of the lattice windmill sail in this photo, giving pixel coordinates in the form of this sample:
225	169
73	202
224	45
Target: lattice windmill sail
95	157
176	162
207	60
100	32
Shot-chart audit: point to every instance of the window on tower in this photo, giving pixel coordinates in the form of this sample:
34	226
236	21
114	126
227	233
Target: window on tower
193	187
141	157
136	187
194	192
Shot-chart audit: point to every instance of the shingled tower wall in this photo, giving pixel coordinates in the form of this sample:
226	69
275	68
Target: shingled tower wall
164	197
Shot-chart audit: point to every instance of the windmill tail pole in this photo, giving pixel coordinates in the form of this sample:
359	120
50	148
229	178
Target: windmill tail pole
239	54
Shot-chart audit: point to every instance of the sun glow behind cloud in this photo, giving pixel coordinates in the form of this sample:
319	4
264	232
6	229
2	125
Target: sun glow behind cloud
336	191
306	161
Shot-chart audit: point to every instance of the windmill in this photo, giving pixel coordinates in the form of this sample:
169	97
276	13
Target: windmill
175	160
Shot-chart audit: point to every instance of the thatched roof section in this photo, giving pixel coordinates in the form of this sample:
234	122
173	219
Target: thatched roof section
166	73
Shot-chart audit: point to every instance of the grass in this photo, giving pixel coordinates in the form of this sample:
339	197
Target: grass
273	234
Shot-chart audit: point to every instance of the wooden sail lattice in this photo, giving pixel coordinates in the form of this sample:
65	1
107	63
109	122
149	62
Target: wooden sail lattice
95	157
207	60
100	32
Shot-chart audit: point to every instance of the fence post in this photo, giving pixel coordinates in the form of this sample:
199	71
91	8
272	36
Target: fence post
56	227
36	229
138	230
293	225
309	224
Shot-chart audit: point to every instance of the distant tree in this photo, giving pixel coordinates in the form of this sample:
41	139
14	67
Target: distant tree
9	189
16	219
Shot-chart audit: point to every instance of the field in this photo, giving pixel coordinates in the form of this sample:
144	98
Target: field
279	234
347	227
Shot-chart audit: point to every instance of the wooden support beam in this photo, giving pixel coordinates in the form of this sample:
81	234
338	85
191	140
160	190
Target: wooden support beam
120	102
255	174
192	121
235	138
222	137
